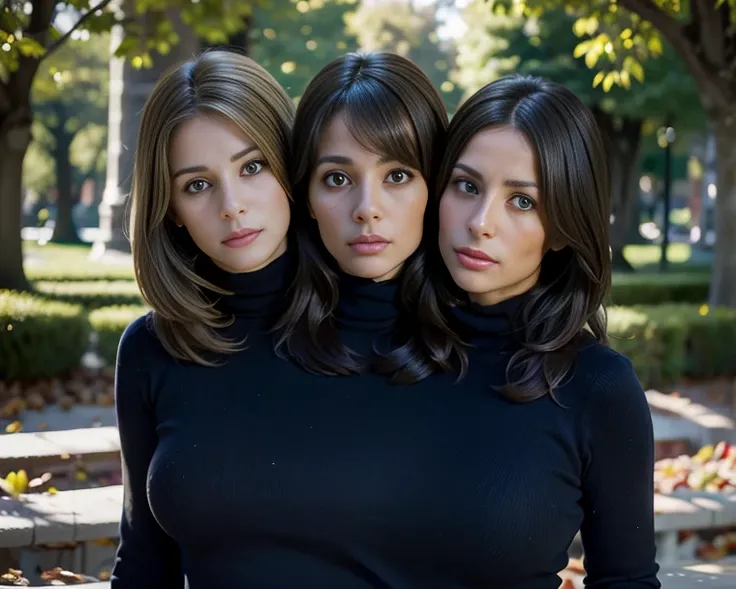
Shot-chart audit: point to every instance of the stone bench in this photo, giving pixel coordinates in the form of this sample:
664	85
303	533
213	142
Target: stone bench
51	450
68	516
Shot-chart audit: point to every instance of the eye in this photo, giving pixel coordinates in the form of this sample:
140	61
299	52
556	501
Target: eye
523	202
252	167
399	176
466	186
336	180
196	186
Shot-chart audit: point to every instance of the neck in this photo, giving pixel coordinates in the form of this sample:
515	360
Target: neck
367	305
498	323
255	295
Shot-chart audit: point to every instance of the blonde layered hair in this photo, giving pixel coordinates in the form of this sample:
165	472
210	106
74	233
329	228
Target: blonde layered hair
215	83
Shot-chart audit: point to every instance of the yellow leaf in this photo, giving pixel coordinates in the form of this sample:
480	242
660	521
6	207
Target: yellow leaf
580	26
581	49
655	45
14	427
52	491
637	70
608	81
591	58
21	482
626	33
592	25
598	79
625	79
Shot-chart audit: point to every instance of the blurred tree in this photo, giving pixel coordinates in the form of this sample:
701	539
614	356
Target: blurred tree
29	35
293	40
498	44
70	94
401	27
622	35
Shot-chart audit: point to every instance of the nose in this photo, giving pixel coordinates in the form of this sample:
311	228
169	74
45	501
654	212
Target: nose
232	204
369	206
482	223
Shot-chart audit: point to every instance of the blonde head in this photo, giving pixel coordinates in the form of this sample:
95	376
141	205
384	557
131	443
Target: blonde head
235	89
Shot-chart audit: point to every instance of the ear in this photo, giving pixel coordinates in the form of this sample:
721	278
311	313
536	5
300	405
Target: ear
175	218
311	212
557	245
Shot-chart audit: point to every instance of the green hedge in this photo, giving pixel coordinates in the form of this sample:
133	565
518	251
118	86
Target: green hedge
658	289
39	338
92	294
667	343
109	323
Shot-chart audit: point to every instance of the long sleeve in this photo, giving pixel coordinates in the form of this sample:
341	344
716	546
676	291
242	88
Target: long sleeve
147	557
618	497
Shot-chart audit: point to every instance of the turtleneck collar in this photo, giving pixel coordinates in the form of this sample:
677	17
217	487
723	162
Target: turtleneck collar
256	295
366	305
484	323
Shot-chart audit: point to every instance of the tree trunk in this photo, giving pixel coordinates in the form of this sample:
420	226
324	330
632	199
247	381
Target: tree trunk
64	229
623	139
723	279
13	147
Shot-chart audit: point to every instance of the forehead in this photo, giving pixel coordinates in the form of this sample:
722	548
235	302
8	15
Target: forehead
500	149
222	138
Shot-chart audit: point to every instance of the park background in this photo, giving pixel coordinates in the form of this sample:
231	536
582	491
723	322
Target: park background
74	75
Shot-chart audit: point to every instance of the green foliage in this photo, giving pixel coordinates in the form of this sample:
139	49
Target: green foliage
293	40
547	46
40	338
617	39
667	343
91	294
109	323
408	30
656	289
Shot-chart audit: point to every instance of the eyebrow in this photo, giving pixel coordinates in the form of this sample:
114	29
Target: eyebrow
346	161
510	182
193	169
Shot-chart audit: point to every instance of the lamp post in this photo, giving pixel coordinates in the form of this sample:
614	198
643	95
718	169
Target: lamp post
665	138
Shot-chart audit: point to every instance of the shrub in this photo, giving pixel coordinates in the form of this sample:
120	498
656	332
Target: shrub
39	338
657	289
92	294
109	324
667	343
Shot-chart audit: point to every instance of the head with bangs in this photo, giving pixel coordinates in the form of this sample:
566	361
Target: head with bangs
210	185
367	138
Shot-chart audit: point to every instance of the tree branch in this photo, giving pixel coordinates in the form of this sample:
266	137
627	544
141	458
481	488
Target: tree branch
87	15
709	84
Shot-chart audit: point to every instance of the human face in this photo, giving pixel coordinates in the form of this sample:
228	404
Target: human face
369	208
491	234
224	193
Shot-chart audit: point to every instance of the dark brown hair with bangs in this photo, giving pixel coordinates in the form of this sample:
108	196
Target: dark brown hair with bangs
392	109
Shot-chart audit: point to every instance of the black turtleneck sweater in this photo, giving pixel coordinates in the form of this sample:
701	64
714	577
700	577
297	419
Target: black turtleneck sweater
258	475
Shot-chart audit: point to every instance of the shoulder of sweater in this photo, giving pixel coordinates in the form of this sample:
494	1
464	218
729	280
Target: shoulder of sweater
602	376
139	342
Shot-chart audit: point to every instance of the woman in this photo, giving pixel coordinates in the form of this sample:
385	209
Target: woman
209	235
368	136
564	426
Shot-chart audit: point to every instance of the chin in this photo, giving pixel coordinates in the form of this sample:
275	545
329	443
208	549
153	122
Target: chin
370	269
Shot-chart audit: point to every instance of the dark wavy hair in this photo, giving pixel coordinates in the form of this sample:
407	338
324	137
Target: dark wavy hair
574	182
391	108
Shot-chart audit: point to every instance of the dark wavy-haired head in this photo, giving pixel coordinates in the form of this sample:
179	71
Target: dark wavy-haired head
574	190
391	108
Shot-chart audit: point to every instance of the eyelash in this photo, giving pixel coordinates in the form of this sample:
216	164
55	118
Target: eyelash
460	181
407	173
262	163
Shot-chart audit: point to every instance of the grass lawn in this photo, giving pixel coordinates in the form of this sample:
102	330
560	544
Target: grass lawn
71	262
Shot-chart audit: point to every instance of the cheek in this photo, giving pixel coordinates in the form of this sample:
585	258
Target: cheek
449	215
530	237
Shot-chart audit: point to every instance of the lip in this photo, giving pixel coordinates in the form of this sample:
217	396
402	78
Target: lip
369	244
474	259
242	237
